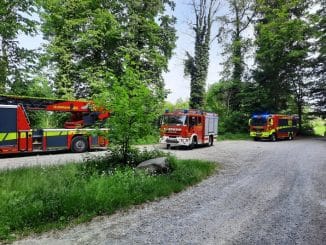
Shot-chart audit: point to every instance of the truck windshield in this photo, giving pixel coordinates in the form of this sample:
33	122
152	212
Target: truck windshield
173	119
261	121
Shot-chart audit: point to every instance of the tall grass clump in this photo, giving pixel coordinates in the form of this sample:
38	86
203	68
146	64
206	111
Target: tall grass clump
37	199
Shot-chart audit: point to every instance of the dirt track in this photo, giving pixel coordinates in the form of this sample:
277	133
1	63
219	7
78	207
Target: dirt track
266	193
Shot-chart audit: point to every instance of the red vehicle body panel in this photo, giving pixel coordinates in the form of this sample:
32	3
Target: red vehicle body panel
188	128
273	126
16	134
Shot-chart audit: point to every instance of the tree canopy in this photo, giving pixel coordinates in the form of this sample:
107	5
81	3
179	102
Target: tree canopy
88	40
15	62
274	55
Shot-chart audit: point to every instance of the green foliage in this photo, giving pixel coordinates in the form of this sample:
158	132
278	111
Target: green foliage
235	122
40	87
236	45
319	127
150	138
218	98
314	127
179	104
227	97
135	109
282	50
88	39
15	62
82	36
307	128
37	199
285	76
90	43
218	101
114	159
233	136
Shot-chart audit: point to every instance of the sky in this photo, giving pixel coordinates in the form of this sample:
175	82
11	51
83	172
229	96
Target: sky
175	81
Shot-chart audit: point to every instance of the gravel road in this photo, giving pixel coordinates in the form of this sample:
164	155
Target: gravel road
18	161
266	193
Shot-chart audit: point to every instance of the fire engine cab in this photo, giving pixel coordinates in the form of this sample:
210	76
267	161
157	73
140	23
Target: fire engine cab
273	126
188	128
17	135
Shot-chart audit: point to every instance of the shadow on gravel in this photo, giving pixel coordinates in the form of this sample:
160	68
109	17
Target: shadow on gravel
321	138
185	148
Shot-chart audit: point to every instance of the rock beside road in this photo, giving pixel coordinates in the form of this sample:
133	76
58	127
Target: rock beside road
155	166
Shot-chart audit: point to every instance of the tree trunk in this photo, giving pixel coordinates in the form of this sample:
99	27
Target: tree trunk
197	66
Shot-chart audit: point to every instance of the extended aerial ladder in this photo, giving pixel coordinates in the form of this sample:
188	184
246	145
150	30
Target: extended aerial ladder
16	134
83	113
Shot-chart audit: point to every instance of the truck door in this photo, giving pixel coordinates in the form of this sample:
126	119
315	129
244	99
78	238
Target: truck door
196	127
283	128
8	128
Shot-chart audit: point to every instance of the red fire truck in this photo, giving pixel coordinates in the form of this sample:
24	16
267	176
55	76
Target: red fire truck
188	128
17	136
273	126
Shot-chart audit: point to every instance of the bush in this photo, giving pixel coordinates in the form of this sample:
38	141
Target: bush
114	159
307	129
235	122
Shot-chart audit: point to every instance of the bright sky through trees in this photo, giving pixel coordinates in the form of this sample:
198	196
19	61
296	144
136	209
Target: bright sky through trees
175	81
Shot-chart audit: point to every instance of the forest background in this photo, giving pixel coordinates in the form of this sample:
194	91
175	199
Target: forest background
116	52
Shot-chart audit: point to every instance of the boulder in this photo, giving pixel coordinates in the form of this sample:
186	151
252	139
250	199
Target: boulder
155	165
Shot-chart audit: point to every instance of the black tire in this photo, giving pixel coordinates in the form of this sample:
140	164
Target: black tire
256	139
211	141
79	144
192	145
273	137
168	146
290	136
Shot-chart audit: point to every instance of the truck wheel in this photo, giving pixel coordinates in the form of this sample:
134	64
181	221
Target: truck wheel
273	137
193	143
256	139
290	136
211	141
79	144
168	146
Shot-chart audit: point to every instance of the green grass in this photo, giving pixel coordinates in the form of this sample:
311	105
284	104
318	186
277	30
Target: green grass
235	136
39	199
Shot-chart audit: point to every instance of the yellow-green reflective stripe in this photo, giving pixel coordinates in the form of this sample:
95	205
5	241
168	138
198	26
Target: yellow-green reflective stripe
8	136
282	127
81	132
56	133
